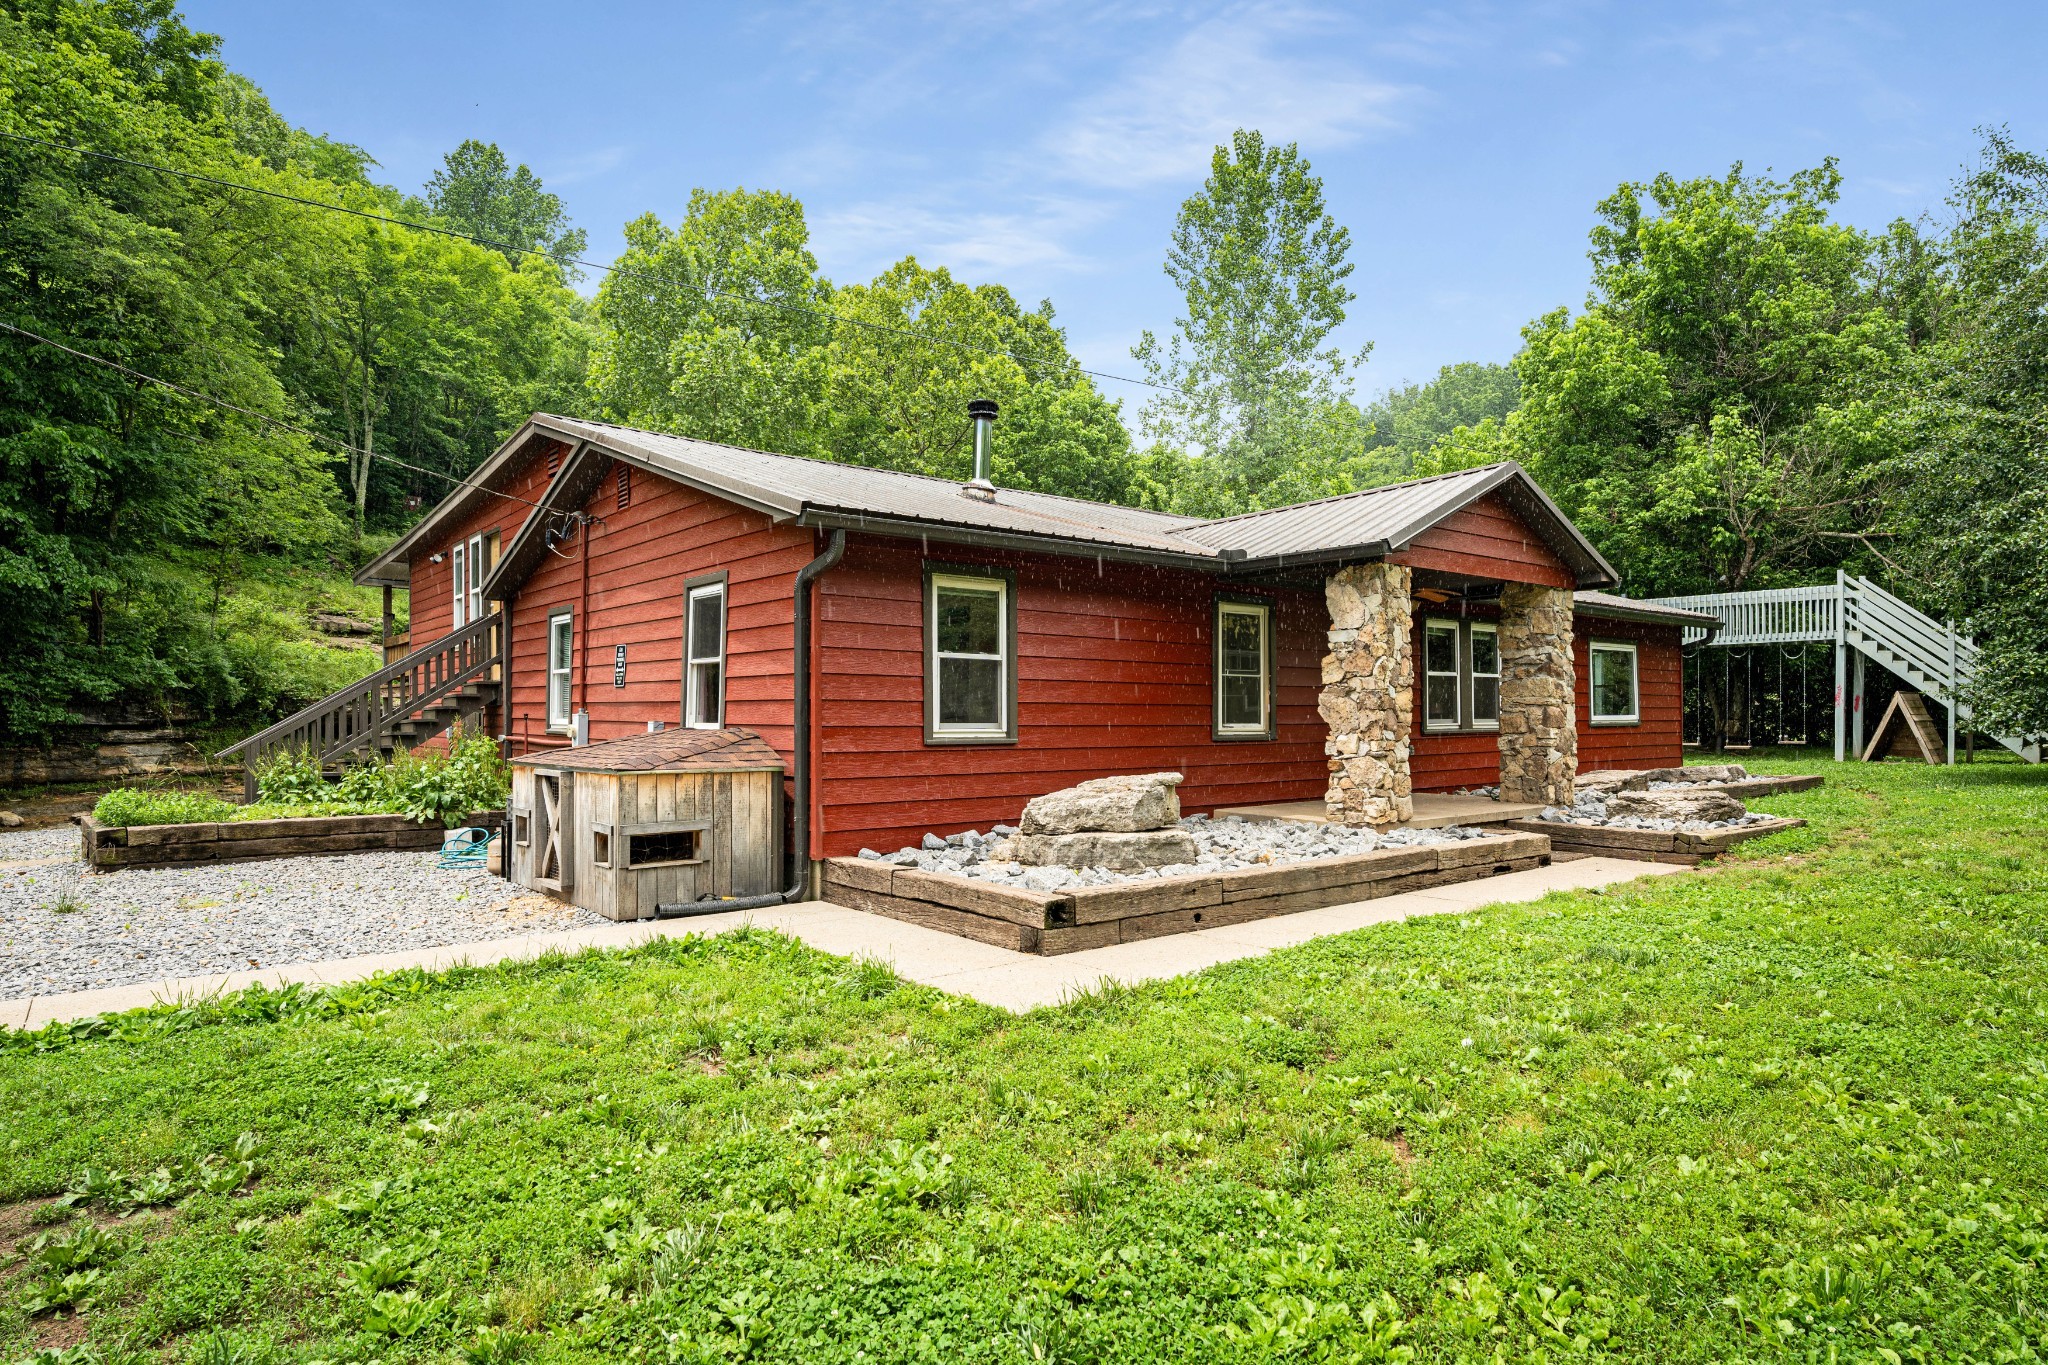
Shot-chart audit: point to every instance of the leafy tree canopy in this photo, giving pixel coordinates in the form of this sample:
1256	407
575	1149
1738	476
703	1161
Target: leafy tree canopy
475	191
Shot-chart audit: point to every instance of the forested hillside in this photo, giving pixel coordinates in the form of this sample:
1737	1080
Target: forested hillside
1753	393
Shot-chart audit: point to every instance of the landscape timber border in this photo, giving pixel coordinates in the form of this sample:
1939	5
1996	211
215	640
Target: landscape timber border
1049	923
1649	845
110	848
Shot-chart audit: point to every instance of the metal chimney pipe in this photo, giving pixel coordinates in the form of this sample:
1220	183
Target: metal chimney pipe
982	412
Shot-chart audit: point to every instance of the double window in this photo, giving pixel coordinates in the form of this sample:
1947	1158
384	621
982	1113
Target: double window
472	563
704	656
970	630
561	660
1615	700
1244	669
1460	675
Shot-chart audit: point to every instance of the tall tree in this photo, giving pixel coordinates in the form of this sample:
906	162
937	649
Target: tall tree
1716	415
477	192
1971	500
1410	421
1253	388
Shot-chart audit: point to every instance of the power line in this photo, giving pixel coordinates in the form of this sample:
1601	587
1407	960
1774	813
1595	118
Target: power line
1029	366
623	271
263	417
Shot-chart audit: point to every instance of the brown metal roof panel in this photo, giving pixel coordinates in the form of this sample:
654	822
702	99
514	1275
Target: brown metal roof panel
665	751
789	485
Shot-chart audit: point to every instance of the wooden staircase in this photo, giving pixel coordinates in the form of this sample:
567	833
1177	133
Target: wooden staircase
457	677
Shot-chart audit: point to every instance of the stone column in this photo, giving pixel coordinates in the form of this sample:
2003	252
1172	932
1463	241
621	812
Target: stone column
1539	727
1368	695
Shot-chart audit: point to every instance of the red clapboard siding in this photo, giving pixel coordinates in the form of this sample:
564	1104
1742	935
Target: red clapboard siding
1114	676
431	599
1658	739
1486	540
639	557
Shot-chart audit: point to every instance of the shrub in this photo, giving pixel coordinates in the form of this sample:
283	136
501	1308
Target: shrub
290	776
130	806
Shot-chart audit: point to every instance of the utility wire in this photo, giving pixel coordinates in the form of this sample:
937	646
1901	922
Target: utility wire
263	417
1029	366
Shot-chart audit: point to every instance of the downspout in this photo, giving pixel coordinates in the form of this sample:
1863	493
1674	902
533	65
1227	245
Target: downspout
582	638
800	748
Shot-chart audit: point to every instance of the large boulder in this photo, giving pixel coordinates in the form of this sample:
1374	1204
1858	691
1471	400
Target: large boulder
1117	805
1611	780
1701	803
1130	851
1699	772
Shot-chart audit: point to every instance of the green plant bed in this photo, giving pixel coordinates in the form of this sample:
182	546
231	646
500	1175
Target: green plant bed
1790	1109
427	785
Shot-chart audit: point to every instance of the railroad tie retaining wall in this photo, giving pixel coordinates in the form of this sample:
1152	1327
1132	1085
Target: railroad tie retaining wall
1649	845
107	848
1053	922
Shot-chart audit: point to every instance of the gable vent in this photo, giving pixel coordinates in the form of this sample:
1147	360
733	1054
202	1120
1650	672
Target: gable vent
554	458
625	485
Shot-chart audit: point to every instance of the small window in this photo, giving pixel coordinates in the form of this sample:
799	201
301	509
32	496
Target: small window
522	827
601	847
1613	684
1440	675
1485	655
561	651
477	565
461	578
970	672
1243	668
704	641
668	846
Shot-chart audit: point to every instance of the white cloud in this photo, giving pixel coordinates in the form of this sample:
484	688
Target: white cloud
969	242
1254	67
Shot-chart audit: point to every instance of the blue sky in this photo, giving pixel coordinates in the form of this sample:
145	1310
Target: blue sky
1047	145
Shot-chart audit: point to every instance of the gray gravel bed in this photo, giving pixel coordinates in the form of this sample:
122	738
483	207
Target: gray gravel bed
1223	845
1590	808
63	928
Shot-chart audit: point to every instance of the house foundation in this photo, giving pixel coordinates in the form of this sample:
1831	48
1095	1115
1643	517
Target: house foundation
1368	697
1539	731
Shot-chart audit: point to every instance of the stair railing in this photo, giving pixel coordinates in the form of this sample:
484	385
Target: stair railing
367	713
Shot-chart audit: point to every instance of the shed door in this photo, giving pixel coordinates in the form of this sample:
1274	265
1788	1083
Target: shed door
553	869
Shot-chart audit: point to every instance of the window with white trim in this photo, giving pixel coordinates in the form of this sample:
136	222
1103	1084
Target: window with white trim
1612	687
561	654
970	669
704	670
477	566
460	558
1483	656
1243	668
1441	680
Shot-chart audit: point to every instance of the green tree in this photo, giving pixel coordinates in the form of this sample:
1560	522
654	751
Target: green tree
477	192
1253	389
1971	502
1716	416
1408	422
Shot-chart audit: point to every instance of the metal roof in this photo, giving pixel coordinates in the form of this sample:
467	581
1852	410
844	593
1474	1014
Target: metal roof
1617	607
1353	526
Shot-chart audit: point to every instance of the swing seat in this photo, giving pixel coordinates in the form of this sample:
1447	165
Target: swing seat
467	847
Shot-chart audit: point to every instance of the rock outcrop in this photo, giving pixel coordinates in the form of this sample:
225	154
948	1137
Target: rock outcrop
1700	804
1107	805
1608	781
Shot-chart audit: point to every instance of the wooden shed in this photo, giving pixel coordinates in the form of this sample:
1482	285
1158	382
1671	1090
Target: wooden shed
631	827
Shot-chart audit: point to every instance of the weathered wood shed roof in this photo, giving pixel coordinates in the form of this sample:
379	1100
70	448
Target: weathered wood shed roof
665	751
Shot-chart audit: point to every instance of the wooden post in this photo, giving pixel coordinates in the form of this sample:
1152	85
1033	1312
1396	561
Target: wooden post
384	645
1842	672
1856	704
1951	628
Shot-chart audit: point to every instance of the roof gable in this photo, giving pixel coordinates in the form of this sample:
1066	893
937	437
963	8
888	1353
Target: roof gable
393	568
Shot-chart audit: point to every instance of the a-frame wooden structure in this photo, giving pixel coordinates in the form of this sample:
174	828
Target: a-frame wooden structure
1907	730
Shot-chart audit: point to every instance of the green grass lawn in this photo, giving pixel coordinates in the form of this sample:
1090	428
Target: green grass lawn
1790	1108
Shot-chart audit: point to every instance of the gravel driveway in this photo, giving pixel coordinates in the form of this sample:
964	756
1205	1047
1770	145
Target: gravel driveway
63	928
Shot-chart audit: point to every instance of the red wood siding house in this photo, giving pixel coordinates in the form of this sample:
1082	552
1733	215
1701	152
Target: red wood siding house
1114	615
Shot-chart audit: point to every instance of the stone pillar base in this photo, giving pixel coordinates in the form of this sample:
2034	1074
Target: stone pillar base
1539	728
1368	697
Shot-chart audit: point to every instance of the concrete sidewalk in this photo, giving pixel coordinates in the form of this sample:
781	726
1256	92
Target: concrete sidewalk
994	976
